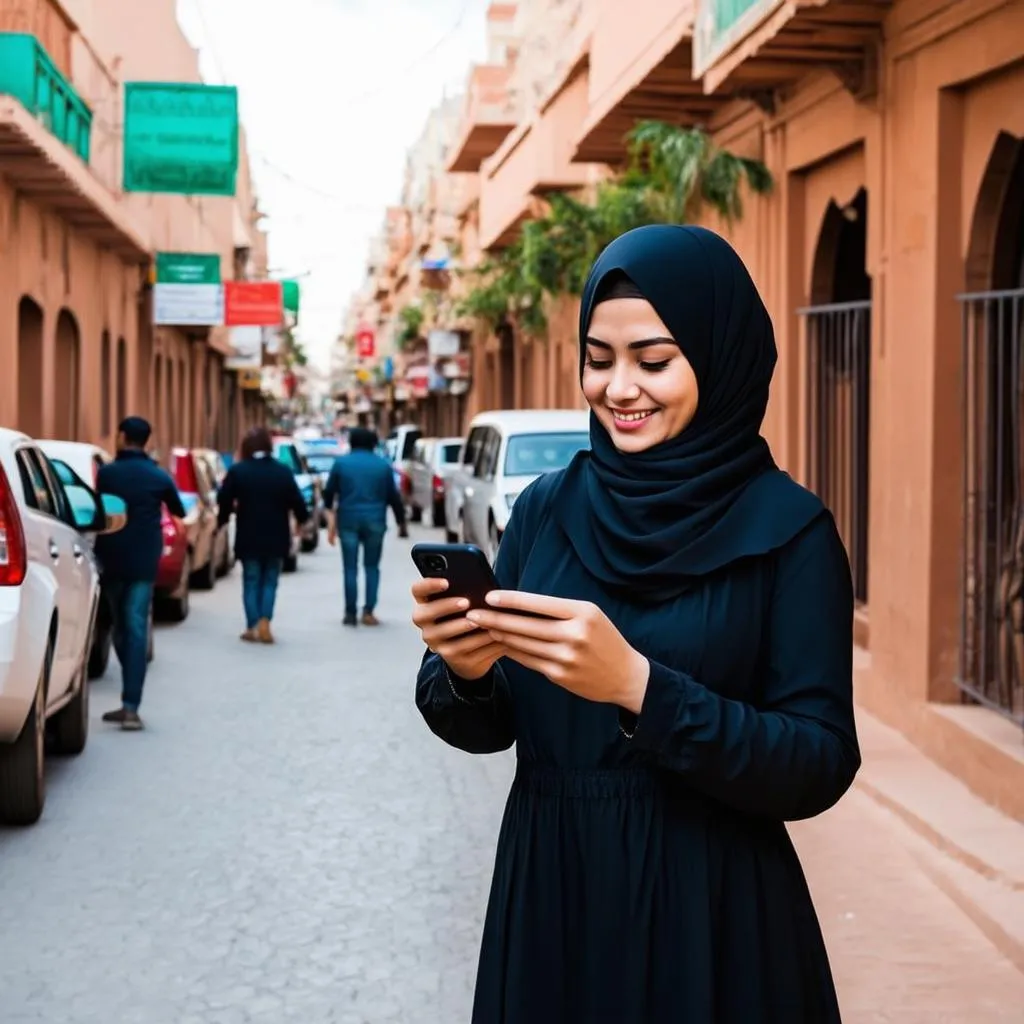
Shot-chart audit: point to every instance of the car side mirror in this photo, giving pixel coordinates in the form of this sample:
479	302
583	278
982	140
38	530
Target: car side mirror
86	510
115	514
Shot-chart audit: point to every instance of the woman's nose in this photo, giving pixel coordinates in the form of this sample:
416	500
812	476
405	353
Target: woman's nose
622	387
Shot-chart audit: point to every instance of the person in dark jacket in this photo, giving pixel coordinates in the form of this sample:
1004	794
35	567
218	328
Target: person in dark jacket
129	559
364	486
262	494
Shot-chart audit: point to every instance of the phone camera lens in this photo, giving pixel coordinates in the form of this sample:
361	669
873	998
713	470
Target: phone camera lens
437	564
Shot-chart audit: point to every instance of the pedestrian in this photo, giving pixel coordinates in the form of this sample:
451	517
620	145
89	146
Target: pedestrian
688	690
364	485
263	496
129	559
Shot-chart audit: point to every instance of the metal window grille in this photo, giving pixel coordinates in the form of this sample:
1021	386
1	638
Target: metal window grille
838	384
991	666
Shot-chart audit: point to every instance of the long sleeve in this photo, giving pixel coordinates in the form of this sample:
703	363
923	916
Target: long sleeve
795	754
331	487
476	716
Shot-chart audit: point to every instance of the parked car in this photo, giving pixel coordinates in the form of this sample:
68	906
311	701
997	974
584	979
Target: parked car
286	450
433	461
209	543
217	469
504	452
398	449
320	454
49	600
85	460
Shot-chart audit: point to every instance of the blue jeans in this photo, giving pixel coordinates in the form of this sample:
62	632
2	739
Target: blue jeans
259	588
130	604
370	537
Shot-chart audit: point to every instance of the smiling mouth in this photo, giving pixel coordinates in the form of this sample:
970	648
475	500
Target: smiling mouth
622	416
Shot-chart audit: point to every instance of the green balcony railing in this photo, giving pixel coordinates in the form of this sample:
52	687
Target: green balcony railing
720	23
28	74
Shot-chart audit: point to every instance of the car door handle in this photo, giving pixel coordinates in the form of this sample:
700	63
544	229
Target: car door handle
54	551
77	552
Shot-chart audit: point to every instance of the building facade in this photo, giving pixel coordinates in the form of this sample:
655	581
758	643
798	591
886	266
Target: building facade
76	252
890	253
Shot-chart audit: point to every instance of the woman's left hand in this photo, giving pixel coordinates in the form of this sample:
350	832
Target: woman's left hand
575	645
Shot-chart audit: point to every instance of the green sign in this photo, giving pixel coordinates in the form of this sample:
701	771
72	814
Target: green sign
290	291
180	138
187	268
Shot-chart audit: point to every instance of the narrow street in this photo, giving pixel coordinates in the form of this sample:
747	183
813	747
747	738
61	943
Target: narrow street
287	842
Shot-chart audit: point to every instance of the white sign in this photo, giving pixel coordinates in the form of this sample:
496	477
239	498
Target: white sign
441	344
188	305
246	349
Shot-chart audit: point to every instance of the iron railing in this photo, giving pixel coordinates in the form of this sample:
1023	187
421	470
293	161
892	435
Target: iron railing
838	396
991	666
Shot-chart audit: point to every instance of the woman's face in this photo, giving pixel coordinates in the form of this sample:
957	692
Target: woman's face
638	382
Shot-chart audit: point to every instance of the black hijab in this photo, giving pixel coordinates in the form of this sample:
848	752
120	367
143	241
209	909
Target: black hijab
652	521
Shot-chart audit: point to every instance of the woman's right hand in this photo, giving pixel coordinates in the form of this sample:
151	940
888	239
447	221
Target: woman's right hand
467	650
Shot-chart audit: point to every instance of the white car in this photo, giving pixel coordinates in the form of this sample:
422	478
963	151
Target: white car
49	596
505	452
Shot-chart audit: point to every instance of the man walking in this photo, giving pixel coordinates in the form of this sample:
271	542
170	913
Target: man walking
129	558
364	486
263	495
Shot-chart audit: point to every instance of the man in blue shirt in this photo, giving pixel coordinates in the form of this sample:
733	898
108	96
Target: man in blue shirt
364	486
129	558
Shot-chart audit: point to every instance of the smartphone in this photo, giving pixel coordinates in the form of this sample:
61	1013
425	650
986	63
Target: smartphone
464	566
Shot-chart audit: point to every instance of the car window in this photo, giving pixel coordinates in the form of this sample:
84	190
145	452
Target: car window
38	492
411	437
449	453
287	454
529	454
476	436
61	475
488	457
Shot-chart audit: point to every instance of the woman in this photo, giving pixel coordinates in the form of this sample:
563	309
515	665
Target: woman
688	691
263	494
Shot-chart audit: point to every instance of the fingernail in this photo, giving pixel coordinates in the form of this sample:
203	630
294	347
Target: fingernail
463	603
473	616
494	597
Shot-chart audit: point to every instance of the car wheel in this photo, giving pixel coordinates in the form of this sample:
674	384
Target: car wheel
99	653
23	764
69	728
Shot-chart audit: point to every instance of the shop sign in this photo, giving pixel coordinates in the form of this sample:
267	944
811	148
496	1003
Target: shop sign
253	304
180	138
187	268
442	344
246	349
366	342
290	296
250	380
188	305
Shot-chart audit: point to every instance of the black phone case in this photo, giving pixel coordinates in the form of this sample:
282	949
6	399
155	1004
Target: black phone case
465	567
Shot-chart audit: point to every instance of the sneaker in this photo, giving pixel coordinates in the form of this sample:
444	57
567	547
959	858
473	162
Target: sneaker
131	722
116	717
263	631
369	619
349	620
250	636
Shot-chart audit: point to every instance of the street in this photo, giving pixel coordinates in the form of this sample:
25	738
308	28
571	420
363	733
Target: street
287	842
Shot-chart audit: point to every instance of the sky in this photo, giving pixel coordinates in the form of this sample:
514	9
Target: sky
332	94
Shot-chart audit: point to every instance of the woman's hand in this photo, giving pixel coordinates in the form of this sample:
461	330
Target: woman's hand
469	651
575	646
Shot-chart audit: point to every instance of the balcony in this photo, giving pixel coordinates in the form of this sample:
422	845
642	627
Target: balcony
29	75
752	47
640	68
487	121
534	160
48	21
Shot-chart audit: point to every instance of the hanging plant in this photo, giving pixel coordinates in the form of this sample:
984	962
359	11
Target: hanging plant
410	320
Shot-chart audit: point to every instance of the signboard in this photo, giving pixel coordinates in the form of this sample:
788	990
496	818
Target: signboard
366	343
253	304
290	293
180	138
187	268
442	344
250	380
188	305
246	349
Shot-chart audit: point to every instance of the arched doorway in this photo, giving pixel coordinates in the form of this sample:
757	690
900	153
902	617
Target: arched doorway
121	389
991	669
506	367
30	367
838	377
66	377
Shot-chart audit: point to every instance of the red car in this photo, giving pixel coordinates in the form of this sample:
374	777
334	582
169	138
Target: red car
171	595
209	544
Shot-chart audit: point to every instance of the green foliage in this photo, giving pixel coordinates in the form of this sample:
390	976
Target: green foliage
292	352
672	175
410	319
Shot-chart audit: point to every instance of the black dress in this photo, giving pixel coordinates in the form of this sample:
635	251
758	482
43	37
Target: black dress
651	880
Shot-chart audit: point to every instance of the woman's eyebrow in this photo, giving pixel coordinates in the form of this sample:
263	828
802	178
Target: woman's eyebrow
633	345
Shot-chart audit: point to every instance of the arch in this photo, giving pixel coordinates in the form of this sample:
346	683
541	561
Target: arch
30	367
998	219
67	372
105	374
839	271
121	390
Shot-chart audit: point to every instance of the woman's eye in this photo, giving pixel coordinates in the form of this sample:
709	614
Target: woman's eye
655	367
599	364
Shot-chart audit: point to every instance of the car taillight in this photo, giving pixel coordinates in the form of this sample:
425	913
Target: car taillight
438	485
13	556
406	485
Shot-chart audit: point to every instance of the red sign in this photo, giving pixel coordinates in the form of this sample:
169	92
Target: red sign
253	304
365	342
